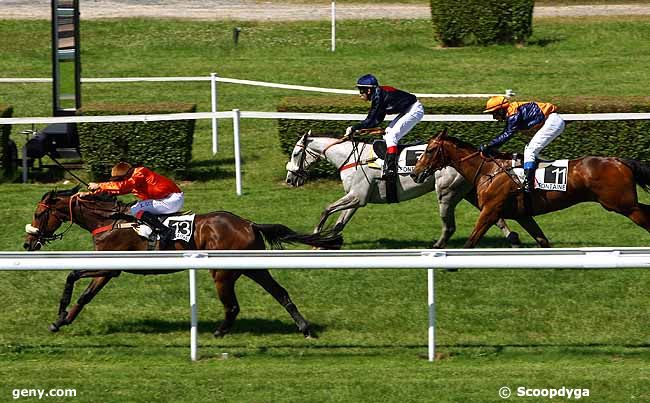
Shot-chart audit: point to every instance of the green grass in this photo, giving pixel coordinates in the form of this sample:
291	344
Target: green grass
539	329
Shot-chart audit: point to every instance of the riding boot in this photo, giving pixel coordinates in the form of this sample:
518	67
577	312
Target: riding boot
152	221
390	176
529	179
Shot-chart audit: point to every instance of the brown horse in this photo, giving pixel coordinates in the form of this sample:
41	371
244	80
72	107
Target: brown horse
607	180
213	231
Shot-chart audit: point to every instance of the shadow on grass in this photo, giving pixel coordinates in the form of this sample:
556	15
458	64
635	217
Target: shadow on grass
253	326
454	243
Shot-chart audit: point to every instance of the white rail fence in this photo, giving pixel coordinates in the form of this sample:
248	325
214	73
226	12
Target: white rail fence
430	259
236	115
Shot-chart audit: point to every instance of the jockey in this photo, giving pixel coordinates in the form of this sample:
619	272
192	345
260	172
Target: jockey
388	100
522	116
157	194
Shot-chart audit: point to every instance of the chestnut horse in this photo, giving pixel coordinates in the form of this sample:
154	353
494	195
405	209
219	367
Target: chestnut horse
213	231
609	181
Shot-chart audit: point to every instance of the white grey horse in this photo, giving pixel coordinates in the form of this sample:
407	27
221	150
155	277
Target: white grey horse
363	185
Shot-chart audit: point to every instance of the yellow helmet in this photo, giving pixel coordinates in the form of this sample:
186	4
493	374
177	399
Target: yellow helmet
120	171
496	103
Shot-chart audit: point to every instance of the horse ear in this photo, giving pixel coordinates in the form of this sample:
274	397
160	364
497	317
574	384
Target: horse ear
309	132
75	189
442	134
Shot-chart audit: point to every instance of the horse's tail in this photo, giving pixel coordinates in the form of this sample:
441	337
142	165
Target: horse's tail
277	234
641	173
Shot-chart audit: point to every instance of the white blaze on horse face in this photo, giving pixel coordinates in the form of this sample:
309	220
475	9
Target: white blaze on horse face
31	230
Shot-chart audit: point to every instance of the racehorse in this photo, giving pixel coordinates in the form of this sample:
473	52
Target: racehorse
213	231
363	185
609	181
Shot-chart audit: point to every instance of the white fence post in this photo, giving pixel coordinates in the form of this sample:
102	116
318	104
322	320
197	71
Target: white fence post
194	317
235	128
333	25
213	92
431	286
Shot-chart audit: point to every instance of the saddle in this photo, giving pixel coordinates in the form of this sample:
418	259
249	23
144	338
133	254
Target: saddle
379	148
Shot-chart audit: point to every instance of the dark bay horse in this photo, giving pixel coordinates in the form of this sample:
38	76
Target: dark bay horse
213	231
609	181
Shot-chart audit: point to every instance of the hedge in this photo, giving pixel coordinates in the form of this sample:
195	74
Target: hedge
468	22
6	111
165	146
621	138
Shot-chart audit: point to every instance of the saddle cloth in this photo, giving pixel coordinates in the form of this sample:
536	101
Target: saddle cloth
408	156
549	175
182	227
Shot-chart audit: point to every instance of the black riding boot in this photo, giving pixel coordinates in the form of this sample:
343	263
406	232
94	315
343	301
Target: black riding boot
390	176
529	179
164	232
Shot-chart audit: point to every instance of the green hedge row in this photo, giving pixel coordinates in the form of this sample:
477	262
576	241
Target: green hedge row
6	111
468	22
165	146
621	138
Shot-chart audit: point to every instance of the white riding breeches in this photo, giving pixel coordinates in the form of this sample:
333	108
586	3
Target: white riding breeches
403	123
552	128
170	204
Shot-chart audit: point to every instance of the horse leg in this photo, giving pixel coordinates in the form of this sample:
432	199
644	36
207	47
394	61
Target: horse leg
511	236
346	202
640	214
264	279
344	218
100	279
485	220
224	282
530	225
66	297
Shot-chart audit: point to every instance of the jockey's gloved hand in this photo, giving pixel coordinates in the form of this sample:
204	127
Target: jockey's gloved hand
485	149
348	131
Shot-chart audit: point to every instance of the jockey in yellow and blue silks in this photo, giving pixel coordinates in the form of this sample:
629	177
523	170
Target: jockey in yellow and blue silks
388	100
538	116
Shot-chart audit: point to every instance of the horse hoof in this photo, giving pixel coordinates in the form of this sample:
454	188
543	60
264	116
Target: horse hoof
514	240
310	335
219	333
53	328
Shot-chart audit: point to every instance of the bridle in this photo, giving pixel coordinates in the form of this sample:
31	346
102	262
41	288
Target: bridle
300	170
43	218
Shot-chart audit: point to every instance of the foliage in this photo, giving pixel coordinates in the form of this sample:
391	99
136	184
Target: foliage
466	22
164	146
623	138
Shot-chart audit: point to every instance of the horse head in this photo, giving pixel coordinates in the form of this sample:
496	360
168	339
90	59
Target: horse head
50	213
433	158
301	159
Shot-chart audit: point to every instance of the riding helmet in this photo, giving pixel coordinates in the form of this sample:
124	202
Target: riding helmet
367	80
120	171
495	103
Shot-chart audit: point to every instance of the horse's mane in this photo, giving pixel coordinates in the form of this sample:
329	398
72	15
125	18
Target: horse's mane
96	197
499	155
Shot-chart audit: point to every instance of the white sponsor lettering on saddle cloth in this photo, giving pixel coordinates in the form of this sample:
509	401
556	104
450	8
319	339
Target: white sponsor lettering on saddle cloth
406	161
182	227
549	175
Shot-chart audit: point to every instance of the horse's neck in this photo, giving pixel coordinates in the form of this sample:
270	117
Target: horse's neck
338	154
472	164
98	215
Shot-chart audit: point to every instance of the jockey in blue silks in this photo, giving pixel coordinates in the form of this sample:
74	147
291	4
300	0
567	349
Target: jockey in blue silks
538	116
388	100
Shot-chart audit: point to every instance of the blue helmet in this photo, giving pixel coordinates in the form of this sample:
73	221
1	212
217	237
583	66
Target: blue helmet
367	81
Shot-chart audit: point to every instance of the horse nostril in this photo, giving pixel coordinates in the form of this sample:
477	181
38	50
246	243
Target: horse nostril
25	245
